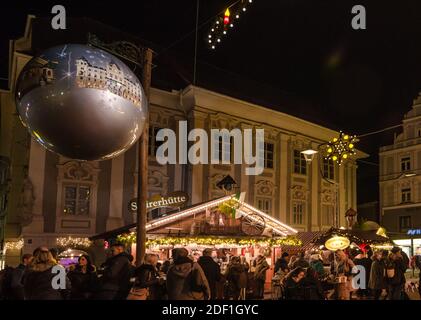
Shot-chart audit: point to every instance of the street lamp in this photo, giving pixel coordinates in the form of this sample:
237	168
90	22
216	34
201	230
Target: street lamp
309	154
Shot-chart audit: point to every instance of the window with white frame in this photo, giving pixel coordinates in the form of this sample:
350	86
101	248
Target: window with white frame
298	212
300	164
265	205
405	164
406	195
76	199
328	211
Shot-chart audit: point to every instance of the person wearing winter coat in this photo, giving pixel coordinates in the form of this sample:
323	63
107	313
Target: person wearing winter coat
114	284
294	289
260	275
282	263
236	275
344	271
38	279
147	277
313	289
395	271
211	269
362	260
84	279
301	262
377	281
186	279
16	283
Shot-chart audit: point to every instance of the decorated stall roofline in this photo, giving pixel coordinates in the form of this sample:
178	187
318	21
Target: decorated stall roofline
212	241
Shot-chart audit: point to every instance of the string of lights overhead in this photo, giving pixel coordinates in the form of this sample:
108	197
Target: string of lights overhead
225	22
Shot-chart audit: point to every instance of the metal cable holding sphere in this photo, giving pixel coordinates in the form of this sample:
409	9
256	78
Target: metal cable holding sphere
81	102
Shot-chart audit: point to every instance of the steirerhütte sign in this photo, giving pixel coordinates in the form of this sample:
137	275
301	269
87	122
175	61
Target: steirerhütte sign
174	199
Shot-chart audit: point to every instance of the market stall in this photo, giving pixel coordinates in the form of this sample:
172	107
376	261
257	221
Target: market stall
227	224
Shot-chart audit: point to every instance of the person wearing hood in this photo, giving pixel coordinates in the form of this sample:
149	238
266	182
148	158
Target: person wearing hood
186	279
236	275
211	269
38	279
115	280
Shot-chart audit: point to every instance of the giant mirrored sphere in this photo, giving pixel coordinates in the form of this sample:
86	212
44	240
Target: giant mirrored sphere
81	102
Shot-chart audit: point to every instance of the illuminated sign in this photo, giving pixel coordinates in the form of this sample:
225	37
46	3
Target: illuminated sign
337	243
413	232
174	199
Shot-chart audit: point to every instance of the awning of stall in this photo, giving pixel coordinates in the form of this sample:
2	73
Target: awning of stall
241	209
306	238
355	236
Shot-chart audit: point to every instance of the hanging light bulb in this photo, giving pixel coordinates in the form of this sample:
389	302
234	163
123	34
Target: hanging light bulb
244	9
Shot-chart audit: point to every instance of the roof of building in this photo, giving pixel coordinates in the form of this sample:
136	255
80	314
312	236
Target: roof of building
277	227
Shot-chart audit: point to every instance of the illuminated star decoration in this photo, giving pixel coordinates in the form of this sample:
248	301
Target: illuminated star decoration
225	22
341	148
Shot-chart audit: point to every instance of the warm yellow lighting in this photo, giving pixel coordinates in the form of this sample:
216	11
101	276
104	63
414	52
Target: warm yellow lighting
227	12
381	232
334	158
351	145
346	137
344	156
337	243
335	139
329	150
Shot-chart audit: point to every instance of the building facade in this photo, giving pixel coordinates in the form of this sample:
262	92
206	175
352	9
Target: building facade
52	196
400	181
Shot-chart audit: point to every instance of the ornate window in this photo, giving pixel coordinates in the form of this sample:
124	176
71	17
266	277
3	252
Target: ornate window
77	196
300	165
328	169
265	205
76	199
298	210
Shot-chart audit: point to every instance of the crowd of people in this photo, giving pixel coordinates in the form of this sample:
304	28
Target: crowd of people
302	276
313	277
182	278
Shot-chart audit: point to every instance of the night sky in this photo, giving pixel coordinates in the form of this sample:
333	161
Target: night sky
299	57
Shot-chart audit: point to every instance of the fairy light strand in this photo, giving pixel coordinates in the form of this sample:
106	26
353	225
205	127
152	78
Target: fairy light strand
225	22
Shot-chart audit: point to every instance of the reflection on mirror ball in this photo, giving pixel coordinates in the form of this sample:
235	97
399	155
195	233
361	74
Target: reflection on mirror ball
81	102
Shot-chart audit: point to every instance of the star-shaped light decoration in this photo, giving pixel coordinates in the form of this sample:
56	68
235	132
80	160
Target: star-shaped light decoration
341	148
